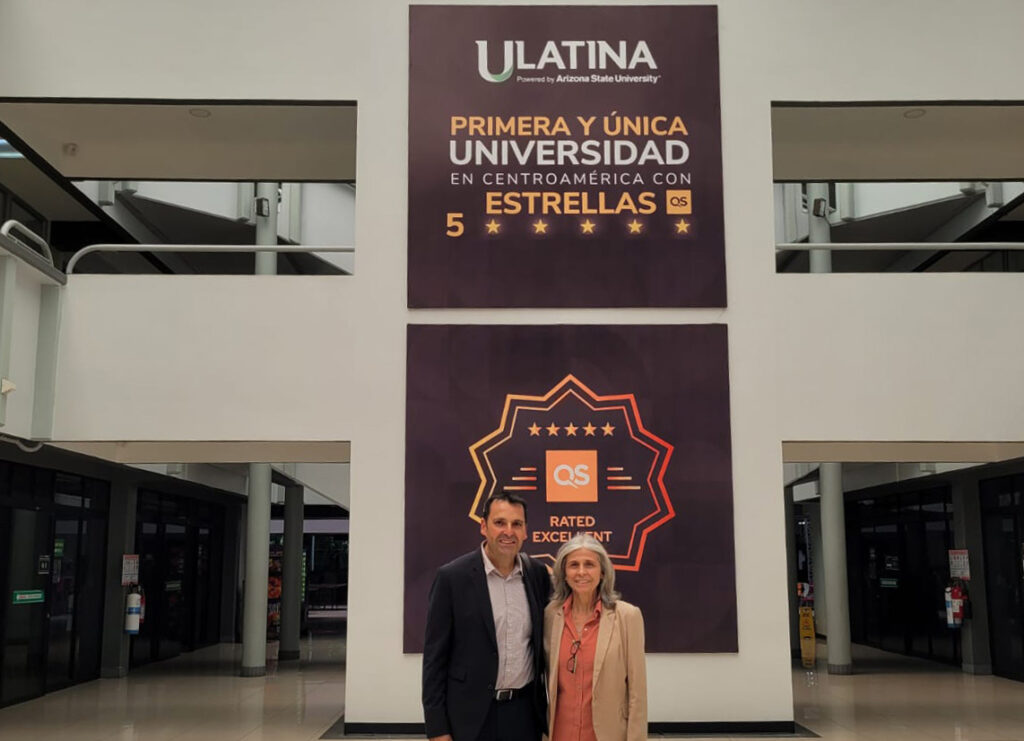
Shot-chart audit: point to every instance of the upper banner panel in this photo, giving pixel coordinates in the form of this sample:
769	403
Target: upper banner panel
565	157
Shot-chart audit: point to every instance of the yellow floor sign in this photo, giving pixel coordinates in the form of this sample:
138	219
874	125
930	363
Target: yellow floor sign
807	637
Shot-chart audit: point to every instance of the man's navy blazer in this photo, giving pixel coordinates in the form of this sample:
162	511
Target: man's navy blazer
460	652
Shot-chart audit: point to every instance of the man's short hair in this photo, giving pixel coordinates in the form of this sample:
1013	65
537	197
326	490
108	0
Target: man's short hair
504	496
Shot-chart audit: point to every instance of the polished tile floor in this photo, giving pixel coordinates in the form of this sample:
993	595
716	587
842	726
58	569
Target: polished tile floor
194	697
895	698
198	697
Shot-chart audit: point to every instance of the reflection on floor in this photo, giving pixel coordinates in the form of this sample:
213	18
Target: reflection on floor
198	697
896	698
195	697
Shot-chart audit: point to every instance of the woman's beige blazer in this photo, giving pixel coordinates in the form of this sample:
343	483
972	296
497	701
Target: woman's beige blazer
620	672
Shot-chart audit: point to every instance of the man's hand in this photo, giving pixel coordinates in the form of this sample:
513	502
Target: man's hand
445	737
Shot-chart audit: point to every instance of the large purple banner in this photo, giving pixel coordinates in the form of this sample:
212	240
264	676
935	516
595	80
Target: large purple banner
565	157
619	431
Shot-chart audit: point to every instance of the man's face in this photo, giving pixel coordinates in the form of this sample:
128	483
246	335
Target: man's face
504	530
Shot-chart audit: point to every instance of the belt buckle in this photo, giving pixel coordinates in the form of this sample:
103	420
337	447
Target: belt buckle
503	695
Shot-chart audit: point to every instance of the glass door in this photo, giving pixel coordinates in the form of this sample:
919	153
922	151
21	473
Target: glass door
63	570
175	628
24	576
1003	579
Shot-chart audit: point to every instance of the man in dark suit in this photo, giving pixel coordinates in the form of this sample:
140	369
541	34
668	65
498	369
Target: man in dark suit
483	656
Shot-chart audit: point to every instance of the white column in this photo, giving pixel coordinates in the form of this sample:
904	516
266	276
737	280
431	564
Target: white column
257	560
266	227
833	544
967	533
819	227
291	574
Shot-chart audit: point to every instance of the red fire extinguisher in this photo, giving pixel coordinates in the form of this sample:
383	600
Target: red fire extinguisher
955	597
131	613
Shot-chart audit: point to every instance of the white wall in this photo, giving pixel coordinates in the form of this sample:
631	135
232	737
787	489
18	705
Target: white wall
811	357
328	217
876	198
24	338
220	199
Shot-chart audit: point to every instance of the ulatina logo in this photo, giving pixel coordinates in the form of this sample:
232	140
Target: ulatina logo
563	55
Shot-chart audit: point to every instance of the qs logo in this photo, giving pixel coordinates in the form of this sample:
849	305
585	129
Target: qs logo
678	202
583	462
569	476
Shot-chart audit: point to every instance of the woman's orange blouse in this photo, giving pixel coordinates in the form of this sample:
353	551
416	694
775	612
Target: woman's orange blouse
574	718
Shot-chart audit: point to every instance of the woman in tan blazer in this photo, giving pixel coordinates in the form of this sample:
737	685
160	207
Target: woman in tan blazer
597	677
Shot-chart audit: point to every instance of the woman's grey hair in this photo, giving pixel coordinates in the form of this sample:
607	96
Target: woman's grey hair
605	590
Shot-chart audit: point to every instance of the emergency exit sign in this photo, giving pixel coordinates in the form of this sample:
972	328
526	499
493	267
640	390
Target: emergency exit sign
27	596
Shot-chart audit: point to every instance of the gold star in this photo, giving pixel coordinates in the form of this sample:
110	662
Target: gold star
607	429
587	226
682	226
493	227
570	430
540	227
589	430
552	430
635	226
534	430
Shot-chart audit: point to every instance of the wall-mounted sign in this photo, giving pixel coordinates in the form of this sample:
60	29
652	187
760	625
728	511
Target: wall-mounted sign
129	569
43	565
565	156
618	431
959	564
27	597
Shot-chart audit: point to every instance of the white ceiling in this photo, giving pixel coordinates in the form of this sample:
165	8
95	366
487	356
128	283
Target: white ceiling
880	142
189	141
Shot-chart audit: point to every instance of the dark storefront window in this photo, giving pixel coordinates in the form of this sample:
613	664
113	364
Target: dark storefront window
897	555
1002	512
327	571
179	541
52	548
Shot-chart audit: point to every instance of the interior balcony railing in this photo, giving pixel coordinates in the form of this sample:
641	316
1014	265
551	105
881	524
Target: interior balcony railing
946	257
31	290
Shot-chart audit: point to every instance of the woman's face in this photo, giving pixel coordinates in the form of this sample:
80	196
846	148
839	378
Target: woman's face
583	572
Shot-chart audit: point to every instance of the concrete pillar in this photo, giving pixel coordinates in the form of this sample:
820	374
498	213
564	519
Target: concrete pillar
812	508
833	537
974	640
266	227
257	559
115	646
291	574
820	228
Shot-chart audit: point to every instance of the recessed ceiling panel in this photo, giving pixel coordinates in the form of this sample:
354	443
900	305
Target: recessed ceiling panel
918	141
189	141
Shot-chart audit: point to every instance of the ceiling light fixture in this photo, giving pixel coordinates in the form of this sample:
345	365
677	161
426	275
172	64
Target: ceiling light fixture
913	113
200	112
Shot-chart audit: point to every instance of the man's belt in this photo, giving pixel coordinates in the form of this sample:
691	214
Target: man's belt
506	695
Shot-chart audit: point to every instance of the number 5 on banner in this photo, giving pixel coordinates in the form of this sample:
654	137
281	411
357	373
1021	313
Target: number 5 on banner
455	225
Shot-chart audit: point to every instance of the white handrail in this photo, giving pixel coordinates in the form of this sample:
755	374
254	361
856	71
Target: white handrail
13	224
916	246
199	248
